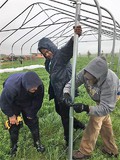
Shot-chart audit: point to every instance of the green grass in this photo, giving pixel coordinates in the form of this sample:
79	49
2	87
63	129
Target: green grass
50	124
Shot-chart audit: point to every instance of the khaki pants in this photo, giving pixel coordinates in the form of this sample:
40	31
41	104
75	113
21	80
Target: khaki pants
95	126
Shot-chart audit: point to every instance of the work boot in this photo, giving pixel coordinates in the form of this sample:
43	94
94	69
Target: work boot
37	143
39	147
13	150
35	134
110	153
77	155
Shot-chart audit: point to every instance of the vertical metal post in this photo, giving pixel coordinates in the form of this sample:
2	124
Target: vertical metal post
118	66
75	52
100	26
114	37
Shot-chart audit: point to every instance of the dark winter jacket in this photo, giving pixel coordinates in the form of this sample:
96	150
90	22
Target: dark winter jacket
15	94
59	66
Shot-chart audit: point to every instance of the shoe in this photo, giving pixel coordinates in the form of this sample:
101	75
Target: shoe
109	153
13	150
77	155
39	147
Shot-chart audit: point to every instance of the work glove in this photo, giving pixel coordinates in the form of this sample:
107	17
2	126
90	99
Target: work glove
79	107
67	99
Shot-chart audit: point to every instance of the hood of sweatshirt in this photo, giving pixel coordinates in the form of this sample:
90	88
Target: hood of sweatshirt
98	68
30	80
46	43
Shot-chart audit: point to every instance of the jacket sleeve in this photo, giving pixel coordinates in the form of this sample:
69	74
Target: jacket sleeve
78	82
47	61
107	101
6	101
37	102
67	50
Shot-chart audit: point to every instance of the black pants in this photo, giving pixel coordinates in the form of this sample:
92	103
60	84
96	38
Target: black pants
32	124
63	111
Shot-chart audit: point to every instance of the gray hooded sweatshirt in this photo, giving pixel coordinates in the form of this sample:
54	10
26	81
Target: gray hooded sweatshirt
104	92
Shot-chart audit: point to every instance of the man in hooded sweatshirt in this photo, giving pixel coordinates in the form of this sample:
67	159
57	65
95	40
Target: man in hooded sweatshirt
102	85
58	65
22	94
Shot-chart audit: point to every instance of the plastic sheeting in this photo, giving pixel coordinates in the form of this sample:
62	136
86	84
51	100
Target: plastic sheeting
21	68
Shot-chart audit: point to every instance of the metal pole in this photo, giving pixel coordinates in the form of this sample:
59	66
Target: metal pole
100	26
118	67
75	52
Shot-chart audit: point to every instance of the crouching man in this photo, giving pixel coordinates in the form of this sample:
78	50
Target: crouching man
22	94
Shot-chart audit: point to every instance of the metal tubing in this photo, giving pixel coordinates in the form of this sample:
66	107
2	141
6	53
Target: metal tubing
100	26
75	52
114	37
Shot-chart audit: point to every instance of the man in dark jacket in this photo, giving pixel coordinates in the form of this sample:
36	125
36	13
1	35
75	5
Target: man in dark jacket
58	66
23	93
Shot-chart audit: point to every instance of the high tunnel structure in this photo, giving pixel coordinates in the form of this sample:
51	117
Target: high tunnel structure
55	20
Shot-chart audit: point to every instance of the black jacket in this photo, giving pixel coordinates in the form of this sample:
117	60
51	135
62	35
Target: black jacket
59	66
15	94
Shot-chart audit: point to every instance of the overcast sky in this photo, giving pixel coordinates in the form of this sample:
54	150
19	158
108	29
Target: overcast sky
14	7
112	6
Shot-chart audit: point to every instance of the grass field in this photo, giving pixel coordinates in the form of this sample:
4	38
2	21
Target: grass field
50	124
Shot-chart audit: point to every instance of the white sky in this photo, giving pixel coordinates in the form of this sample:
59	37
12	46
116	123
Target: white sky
112	6
13	7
